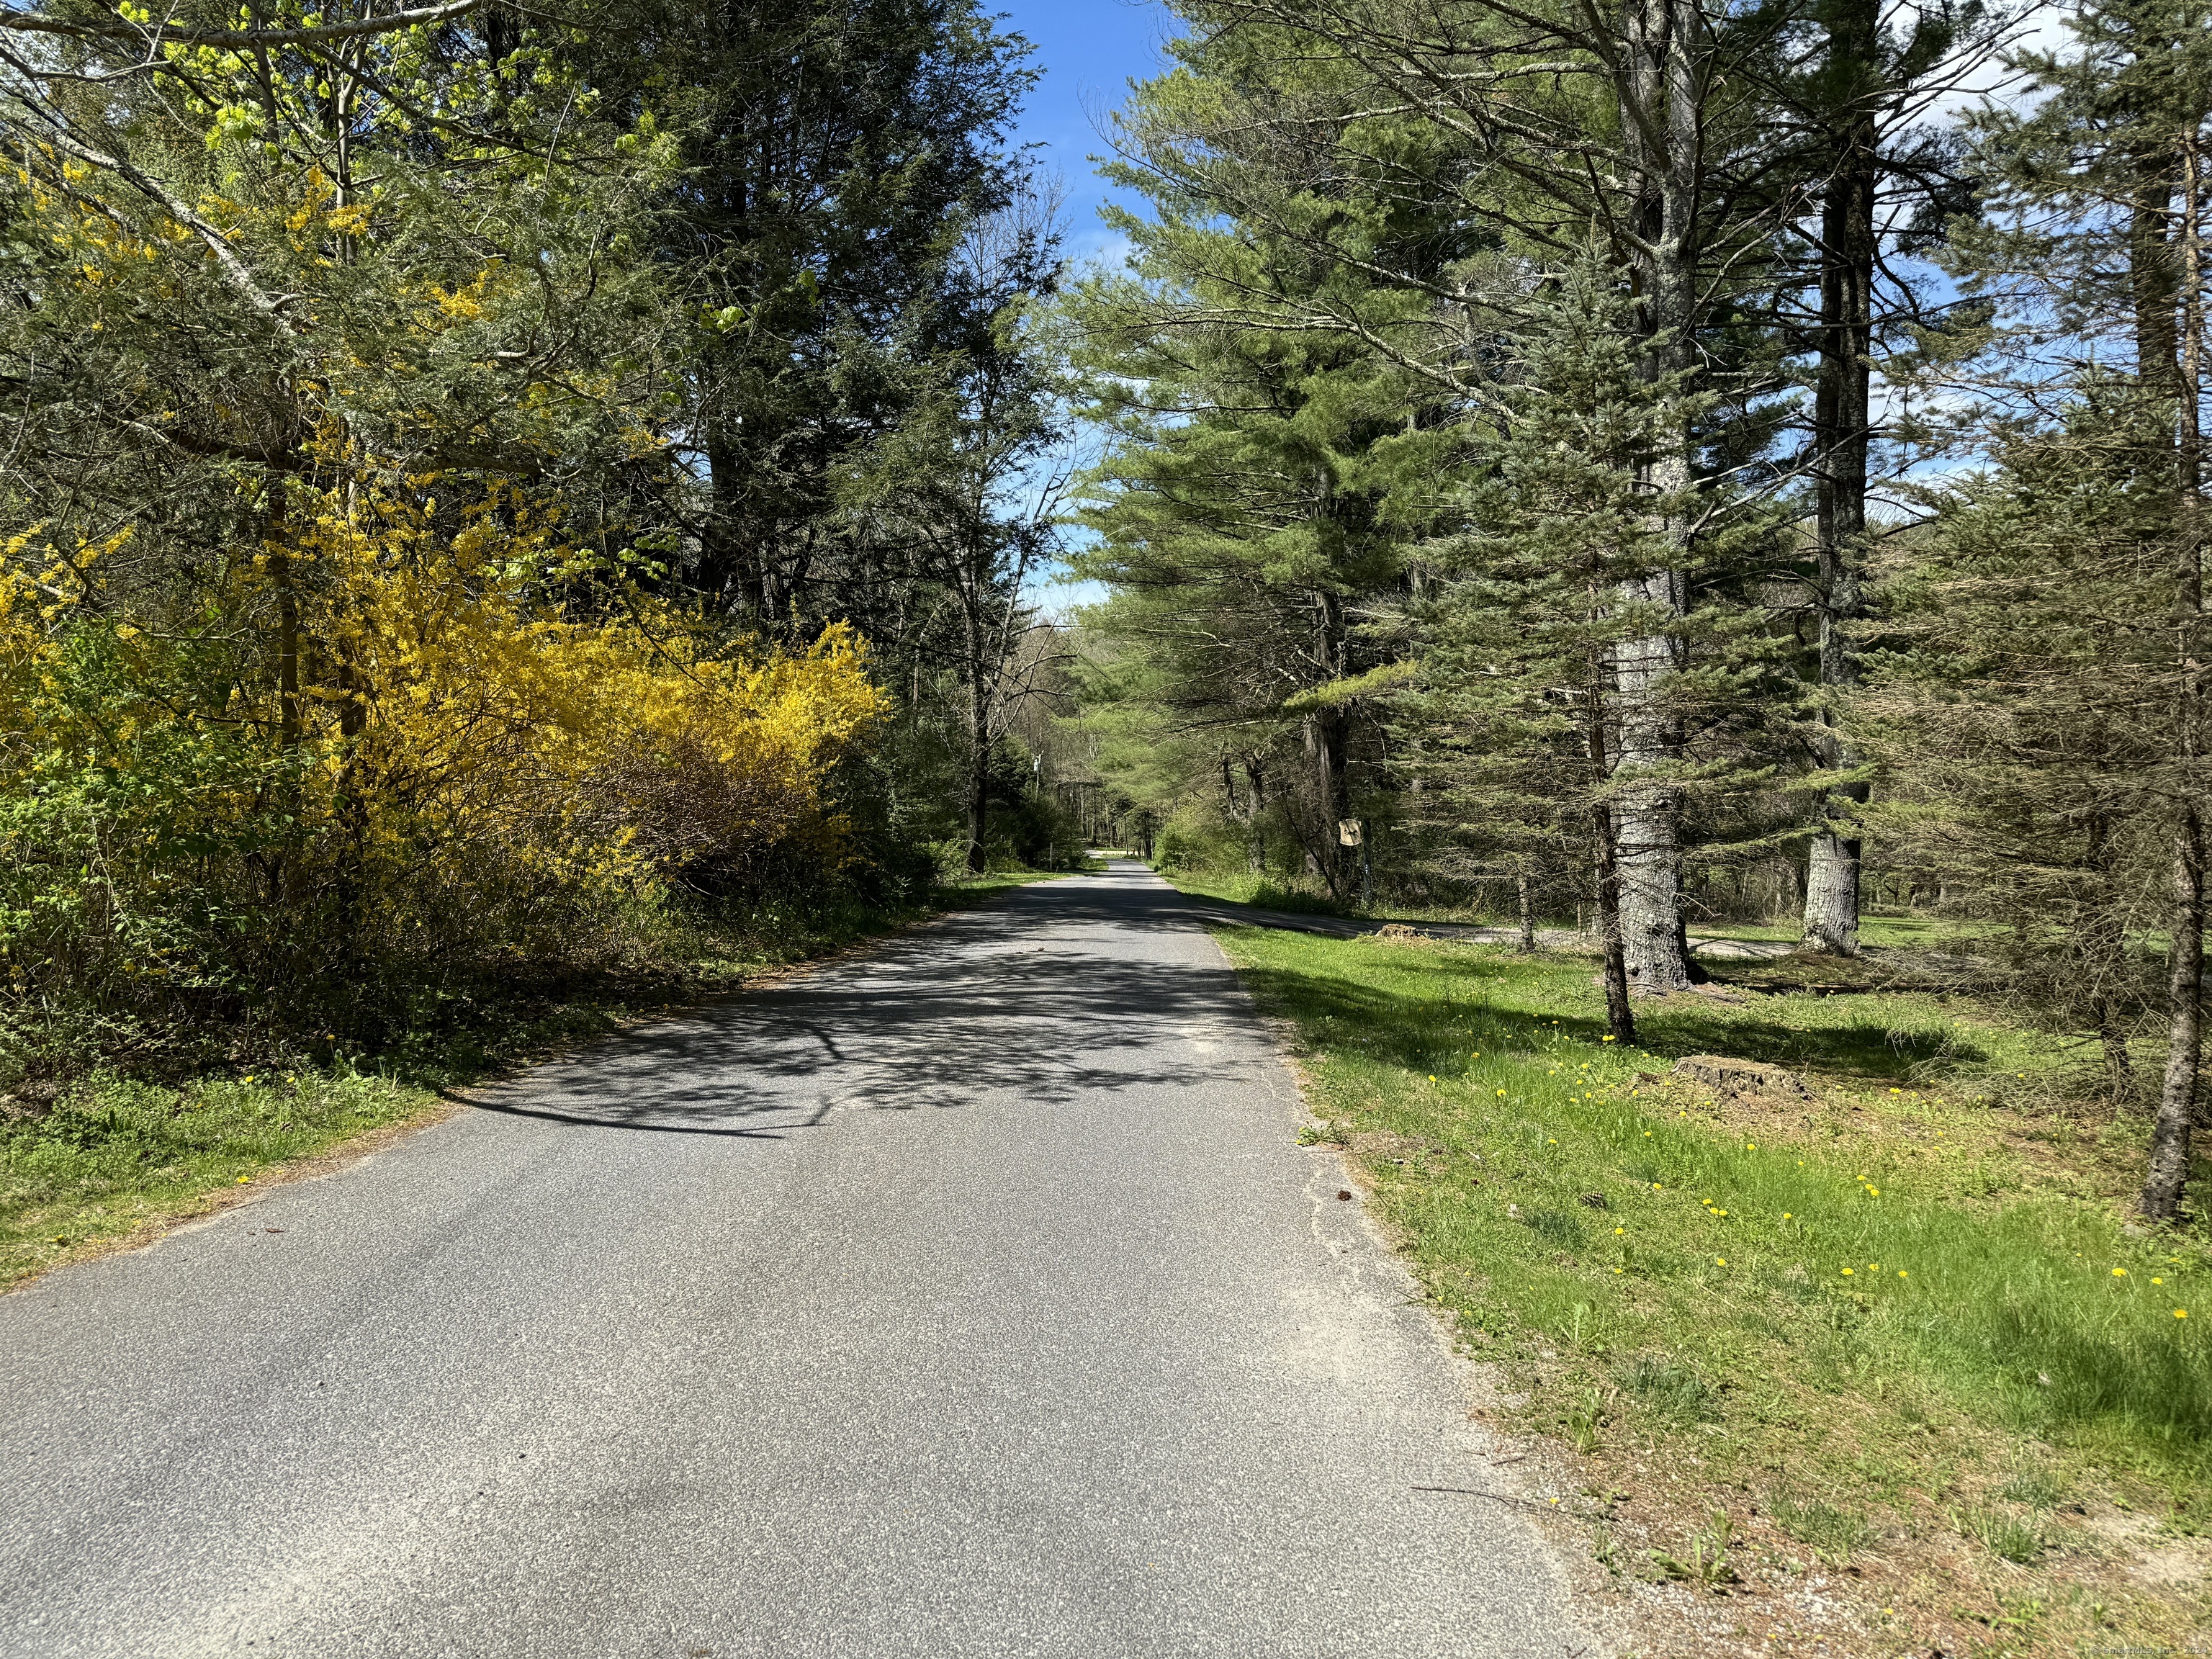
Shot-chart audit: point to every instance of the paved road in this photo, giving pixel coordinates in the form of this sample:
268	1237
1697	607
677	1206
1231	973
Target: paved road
968	1297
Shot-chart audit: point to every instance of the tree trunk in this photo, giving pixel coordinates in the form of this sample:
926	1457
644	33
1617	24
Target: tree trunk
1660	121
1842	415
1620	1017
1528	913
1642	835
2183	373
979	741
2184	991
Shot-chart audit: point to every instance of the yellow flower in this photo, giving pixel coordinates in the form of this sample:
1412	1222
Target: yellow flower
1900	1272
1720	1261
2119	1272
1619	1231
2158	1281
1847	1272
1656	1187
1501	1092
2181	1312
1785	1215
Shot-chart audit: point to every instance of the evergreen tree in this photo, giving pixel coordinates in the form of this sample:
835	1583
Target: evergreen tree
2095	250
1529	647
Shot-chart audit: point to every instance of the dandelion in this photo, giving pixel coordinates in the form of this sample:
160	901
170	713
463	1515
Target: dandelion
242	1180
1785	1215
1720	1261
1847	1272
1647	1134
1874	1265
1618	1231
2158	1281
1656	1187
2181	1312
2119	1272
1720	1212
1432	1077
1901	1273
1751	1145
1501	1092
1605	1039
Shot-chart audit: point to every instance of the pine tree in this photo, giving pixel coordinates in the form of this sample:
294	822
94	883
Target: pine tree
1531	646
2096	251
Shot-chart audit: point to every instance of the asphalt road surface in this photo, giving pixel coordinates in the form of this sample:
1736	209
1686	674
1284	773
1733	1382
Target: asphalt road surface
967	1296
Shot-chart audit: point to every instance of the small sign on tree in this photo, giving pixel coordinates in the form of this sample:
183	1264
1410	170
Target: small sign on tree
1347	831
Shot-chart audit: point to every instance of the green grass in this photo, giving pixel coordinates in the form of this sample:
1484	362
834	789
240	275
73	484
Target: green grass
118	1153
1878	1295
1262	892
1271	892
120	1150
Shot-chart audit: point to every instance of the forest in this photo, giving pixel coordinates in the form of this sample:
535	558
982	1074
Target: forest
497	492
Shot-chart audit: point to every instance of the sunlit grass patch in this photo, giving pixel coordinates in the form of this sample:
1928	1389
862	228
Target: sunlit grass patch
116	1151
1865	1301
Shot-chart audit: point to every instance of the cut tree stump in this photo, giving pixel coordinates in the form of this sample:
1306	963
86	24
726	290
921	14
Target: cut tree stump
1726	1075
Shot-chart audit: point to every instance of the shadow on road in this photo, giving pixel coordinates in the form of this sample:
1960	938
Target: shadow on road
1052	994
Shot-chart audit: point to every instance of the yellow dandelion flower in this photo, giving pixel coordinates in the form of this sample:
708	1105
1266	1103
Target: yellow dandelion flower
1720	1261
2158	1281
2119	1272
1901	1273
2181	1312
1847	1272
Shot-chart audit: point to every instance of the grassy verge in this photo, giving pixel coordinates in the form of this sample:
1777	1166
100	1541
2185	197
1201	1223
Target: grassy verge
124	1147
1895	1335
1280	893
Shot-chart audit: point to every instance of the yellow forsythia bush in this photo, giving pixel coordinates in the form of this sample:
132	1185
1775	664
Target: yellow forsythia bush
411	720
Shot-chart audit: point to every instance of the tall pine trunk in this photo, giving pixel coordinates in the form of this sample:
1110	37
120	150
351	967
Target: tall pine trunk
1620	1017
1661	120
2168	259
1842	415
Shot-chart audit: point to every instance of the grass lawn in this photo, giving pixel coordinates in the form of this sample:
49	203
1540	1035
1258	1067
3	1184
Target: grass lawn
1896	1334
119	1154
1280	893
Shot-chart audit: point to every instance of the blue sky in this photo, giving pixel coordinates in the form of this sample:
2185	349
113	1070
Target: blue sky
1089	50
